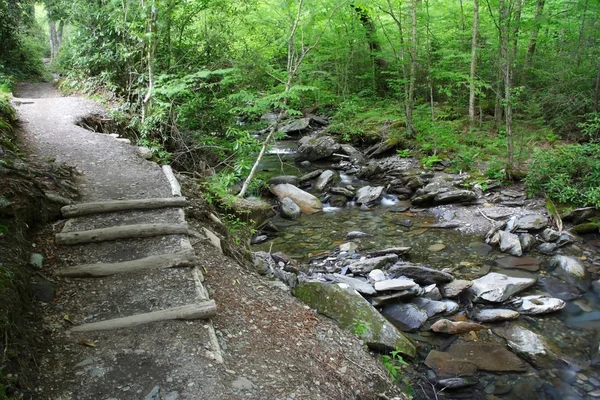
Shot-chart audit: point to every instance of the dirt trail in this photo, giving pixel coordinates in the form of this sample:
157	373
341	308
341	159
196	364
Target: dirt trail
273	347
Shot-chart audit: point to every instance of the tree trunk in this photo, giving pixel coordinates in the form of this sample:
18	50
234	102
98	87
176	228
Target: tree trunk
54	41
507	74
597	91
151	31
581	32
413	70
473	62
374	46
532	40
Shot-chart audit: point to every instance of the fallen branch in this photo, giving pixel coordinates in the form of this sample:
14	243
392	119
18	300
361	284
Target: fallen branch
77	210
121	232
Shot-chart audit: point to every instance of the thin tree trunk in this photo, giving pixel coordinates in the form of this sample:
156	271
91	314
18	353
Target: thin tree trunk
430	76
54	43
413	69
462	16
506	69
532	40
597	91
151	30
473	62
515	31
581	32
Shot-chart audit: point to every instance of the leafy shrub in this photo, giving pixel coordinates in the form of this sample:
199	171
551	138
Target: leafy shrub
591	127
567	174
495	170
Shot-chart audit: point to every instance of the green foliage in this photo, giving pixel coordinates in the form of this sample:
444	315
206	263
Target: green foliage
360	327
429	161
403	153
495	170
464	160
567	174
591	127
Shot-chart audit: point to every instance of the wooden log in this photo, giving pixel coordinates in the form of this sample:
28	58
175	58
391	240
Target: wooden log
202	310
100	207
175	188
180	259
121	232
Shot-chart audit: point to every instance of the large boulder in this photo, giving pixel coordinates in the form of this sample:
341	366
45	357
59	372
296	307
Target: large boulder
253	212
289	209
570	270
497	288
531	222
308	203
455	196
368	195
313	147
296	126
291	179
348	308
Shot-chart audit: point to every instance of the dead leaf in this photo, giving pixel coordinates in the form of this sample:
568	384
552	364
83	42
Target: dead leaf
66	318
417	231
87	343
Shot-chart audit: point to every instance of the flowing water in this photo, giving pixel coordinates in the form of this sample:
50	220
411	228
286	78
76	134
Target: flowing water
573	330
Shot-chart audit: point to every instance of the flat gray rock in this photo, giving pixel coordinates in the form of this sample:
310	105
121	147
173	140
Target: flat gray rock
570	270
356	284
455	288
531	222
367	265
540	304
395	284
420	274
497	288
494	315
406	317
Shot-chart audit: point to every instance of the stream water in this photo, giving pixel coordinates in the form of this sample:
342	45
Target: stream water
573	330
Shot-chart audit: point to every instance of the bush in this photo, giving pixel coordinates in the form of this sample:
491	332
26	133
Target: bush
567	174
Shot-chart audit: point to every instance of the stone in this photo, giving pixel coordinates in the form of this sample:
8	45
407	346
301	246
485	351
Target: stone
587	227
325	180
454	328
433	293
371	170
381	148
289	179
346	307
488	356
497	288
315	147
42	289
531	222
447	365
348	246
547	248
524	342
494	315
420	274
308	203
431	307
549	235
560	289
525	263
289	278
436	247
510	243
289	209
455	196
253	212
242	383
359	285
144	152
377	275
540	304
357	235
154	394
338	201
527	241
369	264
390	250
356	157
259	239
570	270
36	260
394	297
342	191
451	307
296	126
174	395
310	176
406	317
280	257
368	195
394	284
455	288
457	383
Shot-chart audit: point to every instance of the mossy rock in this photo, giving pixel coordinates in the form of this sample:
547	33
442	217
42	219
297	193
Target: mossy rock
586	227
350	310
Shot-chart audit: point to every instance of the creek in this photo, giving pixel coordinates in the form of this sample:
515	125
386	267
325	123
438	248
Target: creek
572	333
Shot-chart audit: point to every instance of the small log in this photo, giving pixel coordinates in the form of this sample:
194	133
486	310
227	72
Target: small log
181	259
120	232
77	210
202	310
175	188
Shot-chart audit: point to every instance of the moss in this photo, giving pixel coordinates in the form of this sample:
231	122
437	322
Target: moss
588	227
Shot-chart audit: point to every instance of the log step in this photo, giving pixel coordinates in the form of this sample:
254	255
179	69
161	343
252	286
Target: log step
120	232
180	259
202	310
77	210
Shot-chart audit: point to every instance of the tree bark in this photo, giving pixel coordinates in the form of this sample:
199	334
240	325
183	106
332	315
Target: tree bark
77	210
473	62
413	70
532	40
121	232
507	74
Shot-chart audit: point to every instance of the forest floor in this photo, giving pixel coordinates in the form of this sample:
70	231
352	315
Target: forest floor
273	346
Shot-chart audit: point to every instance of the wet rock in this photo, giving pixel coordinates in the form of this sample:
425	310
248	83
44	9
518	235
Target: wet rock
308	203
394	284
36	260
431	307
356	156
540	304
154	394
346	307
259	239
524	342
570	270
342	191
290	179
433	293
549	235
547	248
325	180
560	289
414	183
509	243
525	263
338	201
447	365
280	258
349	246
457	383
42	289
296	126
488	356
454	196
527	241
372	169
368	195
390	250
406	317
357	235
494	315
289	278
310	176
455	288
369	264
587	227
451	307
453	328
377	275
436	247
565	239
359	285
497	288
420	274
289	209
379	301
531	222
315	147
